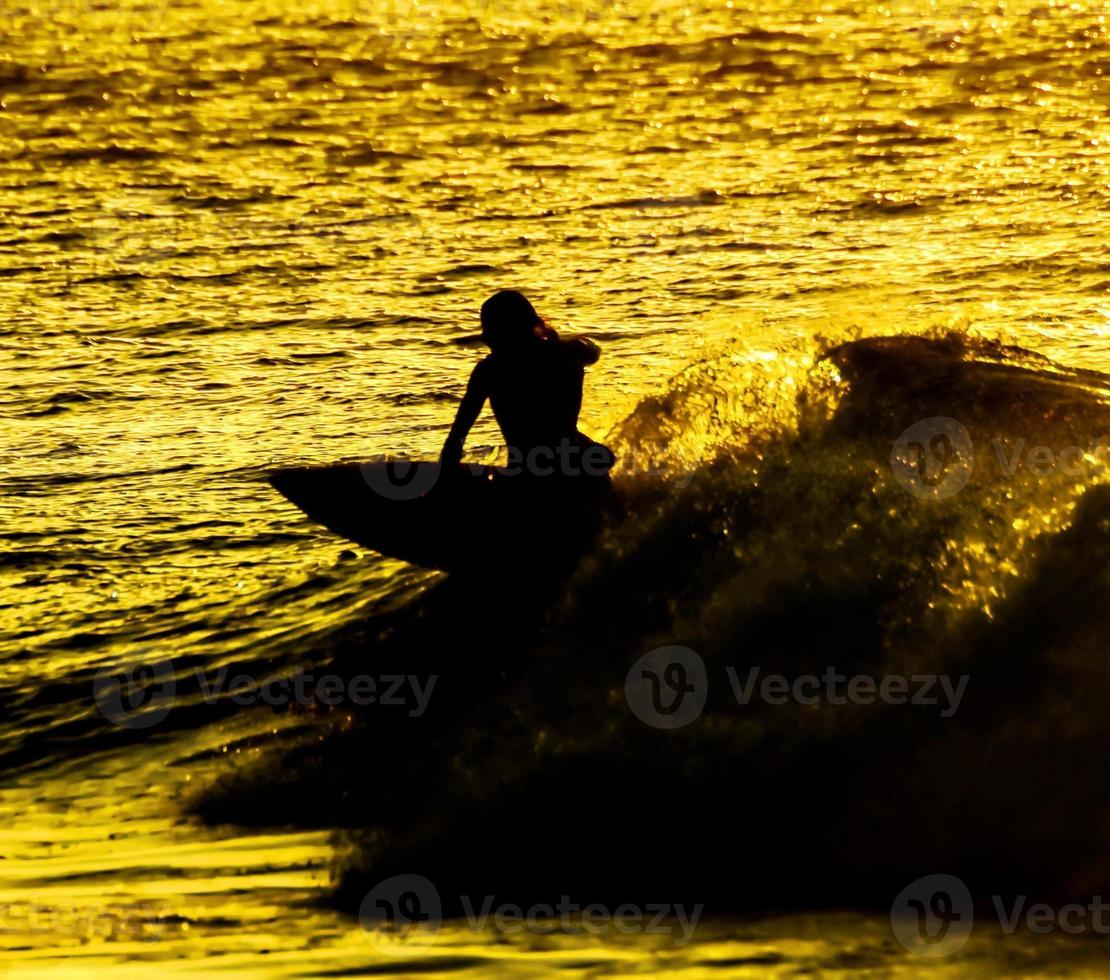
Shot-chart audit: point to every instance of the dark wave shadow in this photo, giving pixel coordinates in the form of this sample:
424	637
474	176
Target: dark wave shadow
530	778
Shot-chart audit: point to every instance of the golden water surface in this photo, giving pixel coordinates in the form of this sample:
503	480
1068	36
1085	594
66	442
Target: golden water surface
235	235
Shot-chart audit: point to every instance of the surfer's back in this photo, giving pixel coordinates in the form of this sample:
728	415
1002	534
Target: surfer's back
533	381
536	394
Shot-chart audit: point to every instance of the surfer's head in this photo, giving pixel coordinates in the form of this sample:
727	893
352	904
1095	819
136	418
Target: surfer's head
510	321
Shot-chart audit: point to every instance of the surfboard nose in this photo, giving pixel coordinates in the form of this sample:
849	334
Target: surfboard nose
281	480
293	484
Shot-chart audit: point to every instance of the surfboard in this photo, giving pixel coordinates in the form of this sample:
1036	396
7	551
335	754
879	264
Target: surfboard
461	518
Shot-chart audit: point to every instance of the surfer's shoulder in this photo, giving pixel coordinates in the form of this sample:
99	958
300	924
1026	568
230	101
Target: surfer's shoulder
582	350
480	376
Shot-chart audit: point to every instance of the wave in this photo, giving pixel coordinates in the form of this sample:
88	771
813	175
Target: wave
905	507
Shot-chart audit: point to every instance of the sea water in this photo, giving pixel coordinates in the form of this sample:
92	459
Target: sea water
243	235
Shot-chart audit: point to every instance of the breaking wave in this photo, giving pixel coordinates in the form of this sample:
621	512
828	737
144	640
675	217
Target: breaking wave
896	507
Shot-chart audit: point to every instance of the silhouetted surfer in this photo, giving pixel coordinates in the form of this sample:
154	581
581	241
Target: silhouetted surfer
533	381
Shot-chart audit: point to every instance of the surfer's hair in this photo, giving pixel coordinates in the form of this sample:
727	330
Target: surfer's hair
508	318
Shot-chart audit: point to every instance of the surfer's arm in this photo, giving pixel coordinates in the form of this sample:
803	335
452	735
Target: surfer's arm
469	410
584	350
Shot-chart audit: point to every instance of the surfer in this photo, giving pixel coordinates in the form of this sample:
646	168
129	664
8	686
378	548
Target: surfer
533	380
